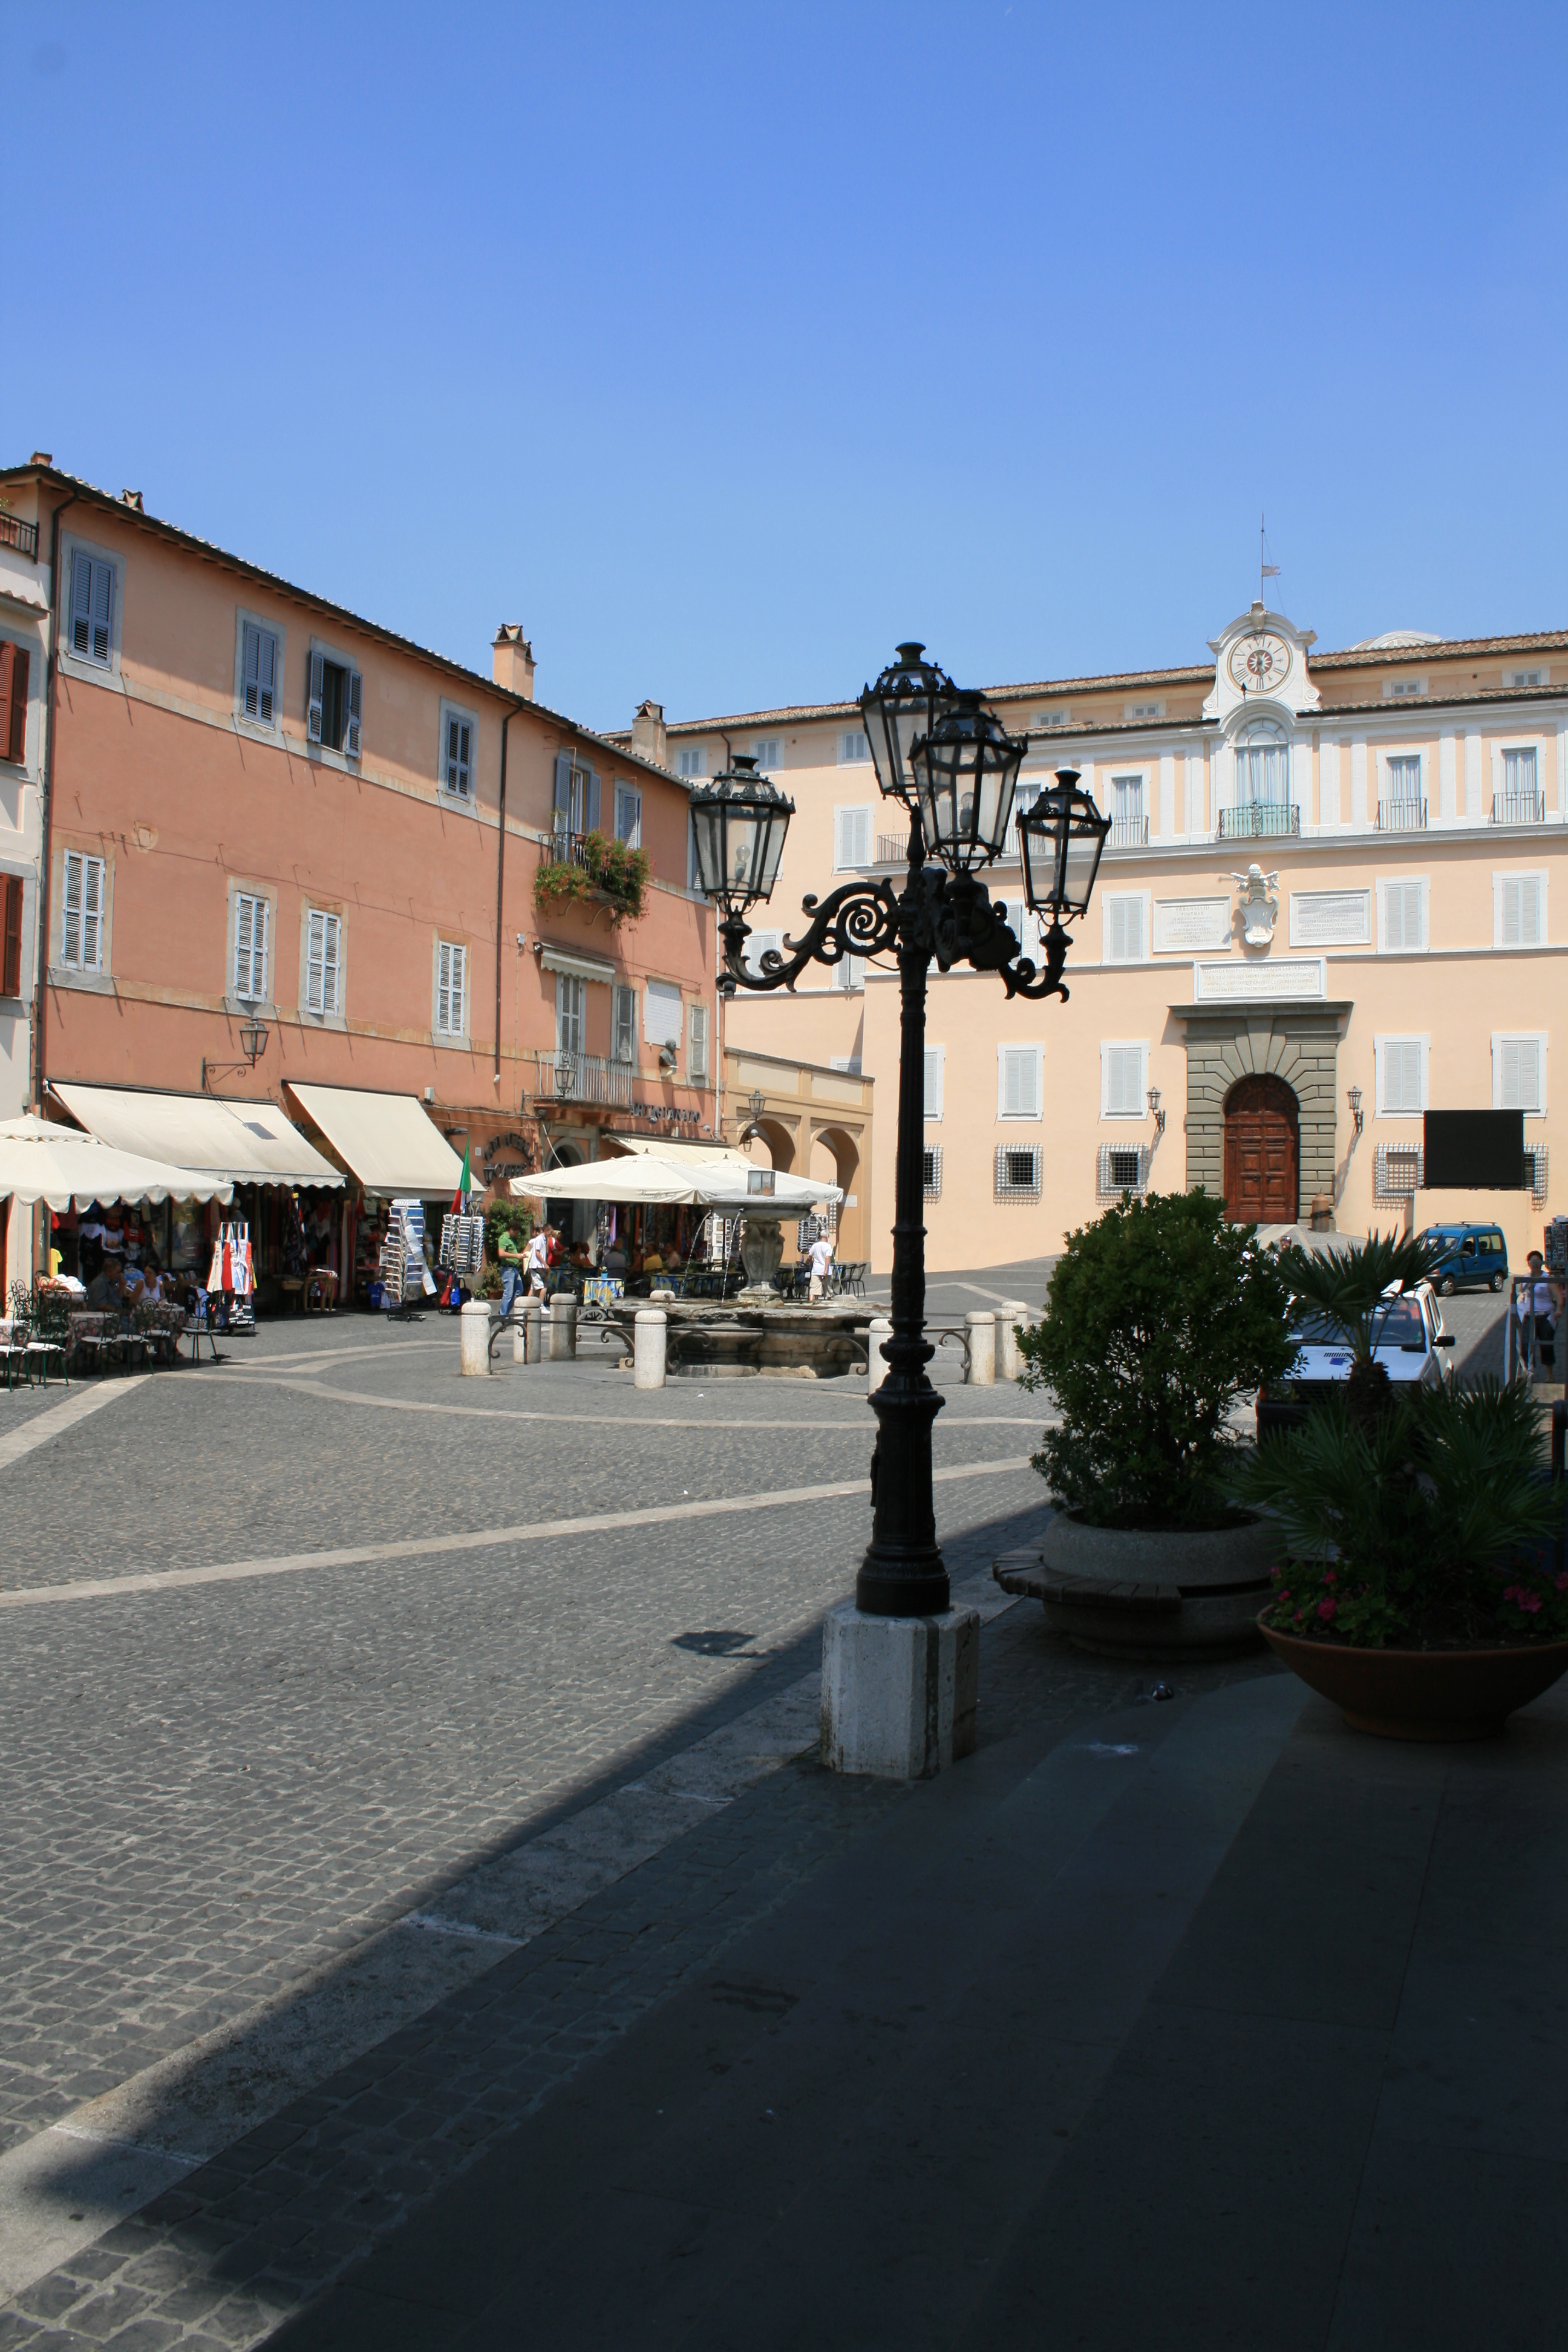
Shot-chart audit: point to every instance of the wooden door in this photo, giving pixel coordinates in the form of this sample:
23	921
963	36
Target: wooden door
1261	1153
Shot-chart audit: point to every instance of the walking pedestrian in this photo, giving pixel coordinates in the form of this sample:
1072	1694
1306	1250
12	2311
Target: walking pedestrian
821	1257
1537	1308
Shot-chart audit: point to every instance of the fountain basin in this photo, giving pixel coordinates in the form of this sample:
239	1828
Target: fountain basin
709	1339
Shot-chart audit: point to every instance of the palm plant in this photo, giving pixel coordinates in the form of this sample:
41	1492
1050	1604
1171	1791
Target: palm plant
1397	1527
1348	1289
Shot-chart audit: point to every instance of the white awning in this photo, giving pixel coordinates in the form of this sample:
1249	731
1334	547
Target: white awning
576	966
669	1146
40	1160
245	1142
388	1141
644	1179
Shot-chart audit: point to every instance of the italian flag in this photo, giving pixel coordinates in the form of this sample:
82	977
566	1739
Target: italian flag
465	1186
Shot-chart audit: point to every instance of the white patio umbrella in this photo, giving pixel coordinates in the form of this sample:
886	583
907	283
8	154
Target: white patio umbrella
40	1160
650	1183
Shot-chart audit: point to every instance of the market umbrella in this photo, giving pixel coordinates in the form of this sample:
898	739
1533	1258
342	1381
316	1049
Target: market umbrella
40	1160
652	1183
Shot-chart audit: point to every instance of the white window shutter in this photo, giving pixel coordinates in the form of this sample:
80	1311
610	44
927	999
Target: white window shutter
1126	920
1019	1089
443	987
315	961
852	837
93	871
1123	1080
1402	1074
313	706
697	1051
934	1072
1520	1073
331	966
355	702
460	991
71	927
244	923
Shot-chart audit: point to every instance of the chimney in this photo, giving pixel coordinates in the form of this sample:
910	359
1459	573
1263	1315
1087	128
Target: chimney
649	738
512	660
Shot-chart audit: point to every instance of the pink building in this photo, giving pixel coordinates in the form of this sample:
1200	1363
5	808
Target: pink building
241	808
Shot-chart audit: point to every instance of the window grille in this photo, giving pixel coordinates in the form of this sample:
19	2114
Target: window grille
1396	1169
931	1172
1535	1159
1018	1171
1123	1168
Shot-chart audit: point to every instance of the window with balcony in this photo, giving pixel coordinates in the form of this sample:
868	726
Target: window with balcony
1262	805
624	1025
576	799
1518	802
571	1014
1129	819
1401	808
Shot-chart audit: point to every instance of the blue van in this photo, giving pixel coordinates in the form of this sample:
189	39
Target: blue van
1473	1255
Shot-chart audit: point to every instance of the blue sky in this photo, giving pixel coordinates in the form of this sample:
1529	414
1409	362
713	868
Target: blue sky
724	345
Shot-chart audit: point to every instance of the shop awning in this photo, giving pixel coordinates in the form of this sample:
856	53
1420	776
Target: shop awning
668	1147
641	1180
245	1142
40	1160
388	1141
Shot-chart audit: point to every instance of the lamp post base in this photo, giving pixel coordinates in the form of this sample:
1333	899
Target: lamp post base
899	1694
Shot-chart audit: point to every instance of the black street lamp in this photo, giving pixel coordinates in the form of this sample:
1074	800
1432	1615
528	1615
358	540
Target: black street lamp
953	765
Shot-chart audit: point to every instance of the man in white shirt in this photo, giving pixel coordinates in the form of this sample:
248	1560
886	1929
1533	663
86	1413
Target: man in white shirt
536	1260
1538	1303
821	1257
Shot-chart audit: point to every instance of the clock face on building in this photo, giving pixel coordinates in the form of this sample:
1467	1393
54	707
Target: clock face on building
1260	664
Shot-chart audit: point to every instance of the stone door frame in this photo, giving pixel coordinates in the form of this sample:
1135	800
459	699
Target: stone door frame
1297	1042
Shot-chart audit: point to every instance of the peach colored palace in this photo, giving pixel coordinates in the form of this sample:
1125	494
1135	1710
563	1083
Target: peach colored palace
1327	893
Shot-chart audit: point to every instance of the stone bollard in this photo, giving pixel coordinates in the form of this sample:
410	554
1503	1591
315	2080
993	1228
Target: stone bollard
981	1369
474	1331
876	1365
647	1347
1009	1315
561	1338
527	1338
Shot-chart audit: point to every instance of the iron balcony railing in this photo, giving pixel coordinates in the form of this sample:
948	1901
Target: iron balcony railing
583	1078
1258	821
892	848
22	536
566	848
1128	832
1402	816
1518	808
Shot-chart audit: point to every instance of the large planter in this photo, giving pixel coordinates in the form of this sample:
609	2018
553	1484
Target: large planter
1422	1694
1140	1593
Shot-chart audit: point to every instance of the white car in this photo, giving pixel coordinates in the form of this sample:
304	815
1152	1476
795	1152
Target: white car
1408	1340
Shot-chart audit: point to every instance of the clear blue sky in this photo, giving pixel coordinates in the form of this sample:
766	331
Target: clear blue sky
723	345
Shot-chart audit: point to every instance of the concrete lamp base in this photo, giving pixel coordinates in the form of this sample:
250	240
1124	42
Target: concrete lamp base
899	1694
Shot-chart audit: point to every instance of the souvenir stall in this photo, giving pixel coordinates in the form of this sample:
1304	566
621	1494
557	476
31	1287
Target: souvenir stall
395	1157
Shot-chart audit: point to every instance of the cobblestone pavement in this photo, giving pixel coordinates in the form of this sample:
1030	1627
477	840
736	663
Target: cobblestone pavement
219	1794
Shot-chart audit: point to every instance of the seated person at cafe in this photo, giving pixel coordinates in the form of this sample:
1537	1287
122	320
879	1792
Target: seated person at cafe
106	1291
581	1257
615	1258
143	1283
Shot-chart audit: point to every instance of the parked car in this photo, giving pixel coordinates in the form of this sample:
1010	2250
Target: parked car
1473	1255
1409	1340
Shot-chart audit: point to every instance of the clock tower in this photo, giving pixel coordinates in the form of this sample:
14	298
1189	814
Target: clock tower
1260	660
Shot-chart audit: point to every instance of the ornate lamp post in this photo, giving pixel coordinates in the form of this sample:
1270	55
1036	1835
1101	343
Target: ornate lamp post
947	758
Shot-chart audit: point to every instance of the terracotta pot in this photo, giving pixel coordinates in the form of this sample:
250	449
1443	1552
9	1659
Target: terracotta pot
1422	1694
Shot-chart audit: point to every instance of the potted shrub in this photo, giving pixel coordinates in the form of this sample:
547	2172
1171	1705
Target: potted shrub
1415	1592
1162	1314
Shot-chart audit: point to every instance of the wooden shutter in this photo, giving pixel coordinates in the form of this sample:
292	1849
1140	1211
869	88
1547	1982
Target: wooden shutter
92	913
260	674
460	991
562	792
15	665
353	703
1123	1080
697	1053
314	706
331	964
591	812
10	949
626	1045
443	988
70	912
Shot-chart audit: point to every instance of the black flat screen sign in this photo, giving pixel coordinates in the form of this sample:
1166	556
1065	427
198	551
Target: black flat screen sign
1474	1150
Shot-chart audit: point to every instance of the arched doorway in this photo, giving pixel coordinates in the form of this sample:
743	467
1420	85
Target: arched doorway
1262	1153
